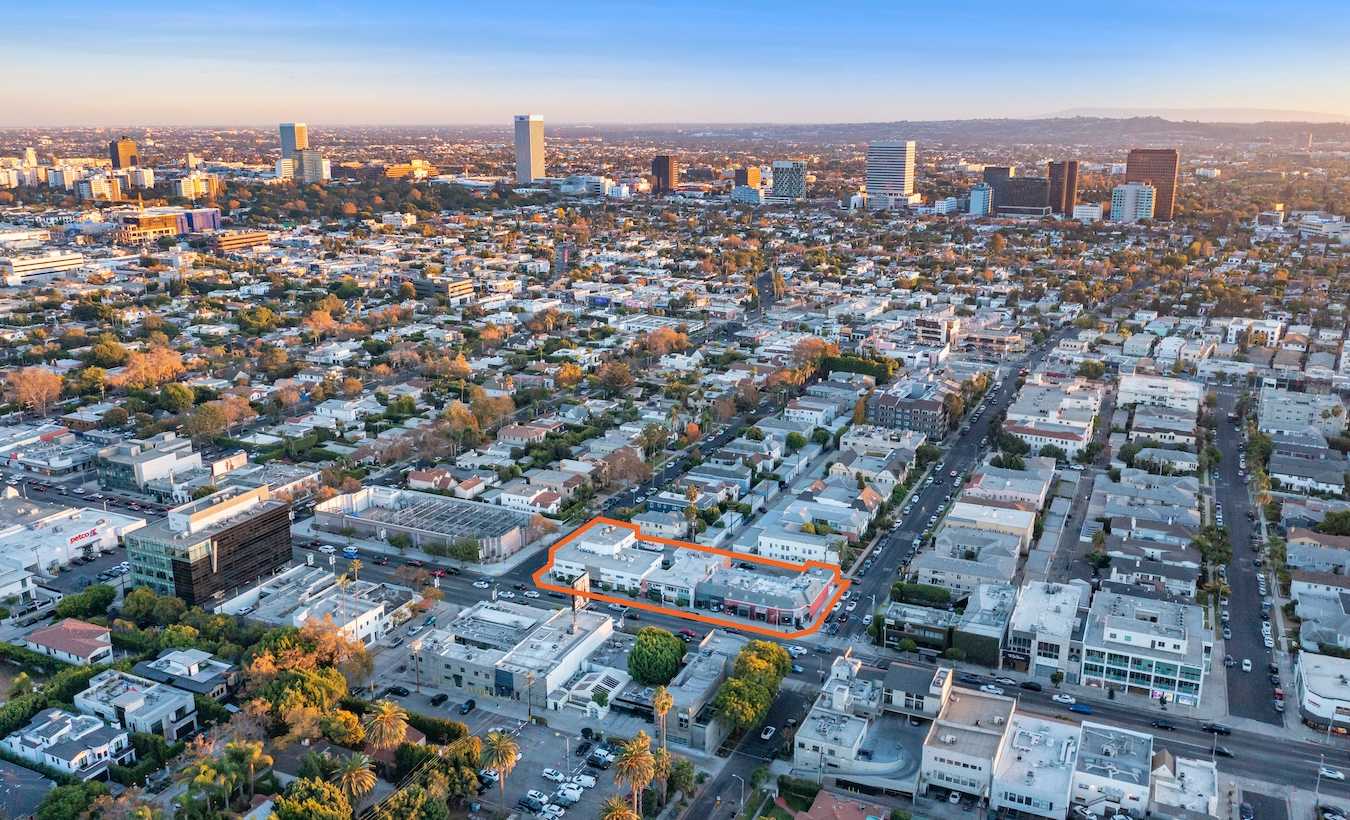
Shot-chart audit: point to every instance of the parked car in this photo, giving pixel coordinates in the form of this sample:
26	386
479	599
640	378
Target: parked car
583	747
768	733
1216	729
1031	686
1067	700
1081	708
1165	725
467	706
991	689
553	775
439	698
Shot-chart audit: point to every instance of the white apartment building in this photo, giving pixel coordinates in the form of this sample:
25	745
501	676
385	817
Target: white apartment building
965	743
890	173
1040	634
1133	202
789	181
139	705
1158	649
1113	771
17	271
1035	769
1158	391
1287	412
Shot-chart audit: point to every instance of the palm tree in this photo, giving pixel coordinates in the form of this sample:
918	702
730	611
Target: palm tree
499	754
247	756
661	770
355	776
616	808
634	767
661	703
387	725
355	569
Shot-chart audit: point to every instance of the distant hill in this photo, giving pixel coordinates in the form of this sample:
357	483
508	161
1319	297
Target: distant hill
1207	115
1100	133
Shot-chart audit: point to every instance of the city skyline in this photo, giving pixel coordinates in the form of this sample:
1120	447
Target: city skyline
418	65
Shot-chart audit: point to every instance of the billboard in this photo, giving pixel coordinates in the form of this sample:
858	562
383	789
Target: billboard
582	584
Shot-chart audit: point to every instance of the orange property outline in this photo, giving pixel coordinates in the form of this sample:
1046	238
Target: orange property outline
841	583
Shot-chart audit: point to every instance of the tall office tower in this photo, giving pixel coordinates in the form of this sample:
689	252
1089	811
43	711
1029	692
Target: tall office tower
1158	167
789	180
665	173
294	138
890	173
996	177
1133	201
1063	186
529	148
748	177
123	153
981	200
30	157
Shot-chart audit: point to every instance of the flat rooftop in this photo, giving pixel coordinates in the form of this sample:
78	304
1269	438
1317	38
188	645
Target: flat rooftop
1041	754
971	722
1117	754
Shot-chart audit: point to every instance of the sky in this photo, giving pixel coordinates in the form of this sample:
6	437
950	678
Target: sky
202	62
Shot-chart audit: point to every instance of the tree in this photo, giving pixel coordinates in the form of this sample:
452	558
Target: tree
355	776
386	725
682	776
616	808
1051	451
742	702
1335	523
407	291
151	368
499	754
310	799
655	657
344	728
661	705
176	398
1092	369
568	375
795	441
614	377
634	766
92	602
36	388
205	423
247	757
927	453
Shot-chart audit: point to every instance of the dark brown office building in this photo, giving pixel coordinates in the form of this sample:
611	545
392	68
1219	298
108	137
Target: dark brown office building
1063	186
748	176
210	546
665	174
124	153
1158	167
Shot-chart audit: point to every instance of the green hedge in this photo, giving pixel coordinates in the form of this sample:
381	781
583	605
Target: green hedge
31	661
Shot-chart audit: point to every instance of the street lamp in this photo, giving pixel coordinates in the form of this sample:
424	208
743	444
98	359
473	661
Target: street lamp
742	782
416	648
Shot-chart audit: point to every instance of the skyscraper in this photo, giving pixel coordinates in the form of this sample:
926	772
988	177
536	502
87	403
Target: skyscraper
748	176
890	173
311	166
123	153
294	137
1158	167
981	200
1063	186
30	157
665	173
789	180
1133	201
529	148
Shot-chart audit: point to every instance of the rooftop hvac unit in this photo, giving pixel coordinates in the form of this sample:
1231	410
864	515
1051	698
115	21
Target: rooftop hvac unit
948	739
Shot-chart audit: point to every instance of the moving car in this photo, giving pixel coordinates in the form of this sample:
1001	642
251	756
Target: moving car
991	689
467	706
1067	700
1081	708
1330	773
1165	725
1216	729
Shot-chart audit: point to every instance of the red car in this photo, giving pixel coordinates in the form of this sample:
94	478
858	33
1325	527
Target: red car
439	573
413	562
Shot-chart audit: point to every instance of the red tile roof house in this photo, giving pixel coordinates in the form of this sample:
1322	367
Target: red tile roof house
73	641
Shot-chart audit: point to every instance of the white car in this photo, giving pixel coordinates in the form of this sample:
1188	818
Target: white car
584	781
531	593
991	689
1269	642
852	605
867	620
553	775
1330	773
535	794
506	593
552	812
1246	664
1067	700
768	733
482	585
796	650
327	549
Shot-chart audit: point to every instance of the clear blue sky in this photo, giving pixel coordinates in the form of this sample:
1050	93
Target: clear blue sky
76	62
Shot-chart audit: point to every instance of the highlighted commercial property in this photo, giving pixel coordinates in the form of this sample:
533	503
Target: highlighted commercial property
615	562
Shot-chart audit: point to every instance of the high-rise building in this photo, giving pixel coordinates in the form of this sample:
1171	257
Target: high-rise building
789	180
996	177
748	177
30	157
1133	201
212	545
529	148
1063	186
123	153
1158	167
294	138
665	174
890	173
1017	196
981	200
312	166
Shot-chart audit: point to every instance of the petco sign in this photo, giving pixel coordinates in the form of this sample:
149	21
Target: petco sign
82	537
